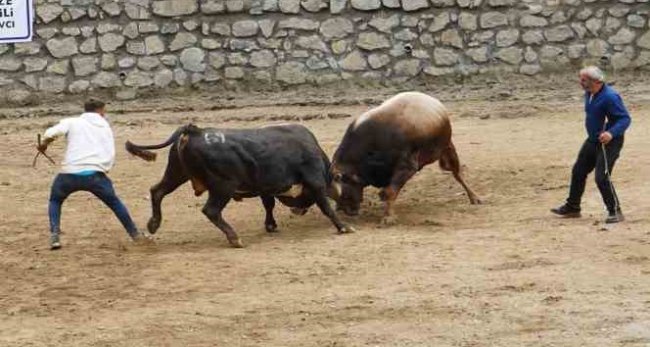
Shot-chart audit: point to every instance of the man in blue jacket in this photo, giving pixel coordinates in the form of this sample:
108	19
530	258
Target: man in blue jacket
606	122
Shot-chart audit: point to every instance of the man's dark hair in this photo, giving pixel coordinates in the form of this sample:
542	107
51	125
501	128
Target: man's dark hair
93	105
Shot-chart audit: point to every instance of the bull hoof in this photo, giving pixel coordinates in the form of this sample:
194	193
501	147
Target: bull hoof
382	195
389	220
236	243
153	225
347	230
299	211
476	201
271	228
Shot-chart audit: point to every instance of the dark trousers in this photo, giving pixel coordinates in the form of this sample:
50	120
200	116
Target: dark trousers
100	185
591	157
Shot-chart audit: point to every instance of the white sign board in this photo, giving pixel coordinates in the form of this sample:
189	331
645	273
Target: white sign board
16	20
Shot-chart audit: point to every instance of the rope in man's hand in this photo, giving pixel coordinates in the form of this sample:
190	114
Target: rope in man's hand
41	148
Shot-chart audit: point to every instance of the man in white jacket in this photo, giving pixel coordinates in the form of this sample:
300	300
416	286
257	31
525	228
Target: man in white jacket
89	156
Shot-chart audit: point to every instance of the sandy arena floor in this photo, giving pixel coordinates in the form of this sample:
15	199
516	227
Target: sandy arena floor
505	273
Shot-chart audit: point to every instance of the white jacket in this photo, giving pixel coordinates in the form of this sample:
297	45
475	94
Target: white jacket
90	143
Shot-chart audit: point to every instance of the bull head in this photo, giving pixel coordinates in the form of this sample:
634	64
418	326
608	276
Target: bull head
349	188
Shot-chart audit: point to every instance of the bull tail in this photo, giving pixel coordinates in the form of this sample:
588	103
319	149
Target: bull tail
143	151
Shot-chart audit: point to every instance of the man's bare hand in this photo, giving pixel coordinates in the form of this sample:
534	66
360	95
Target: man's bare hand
605	137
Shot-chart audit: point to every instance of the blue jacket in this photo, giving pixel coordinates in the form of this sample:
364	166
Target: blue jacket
605	106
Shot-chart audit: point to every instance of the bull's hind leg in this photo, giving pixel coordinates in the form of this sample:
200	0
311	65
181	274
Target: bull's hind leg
403	172
173	178
212	209
449	162
269	222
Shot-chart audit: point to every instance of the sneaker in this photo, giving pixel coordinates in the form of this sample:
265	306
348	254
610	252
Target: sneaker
55	243
142	239
566	211
614	217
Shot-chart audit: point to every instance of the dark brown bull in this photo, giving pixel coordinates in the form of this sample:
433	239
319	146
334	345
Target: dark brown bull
281	161
387	145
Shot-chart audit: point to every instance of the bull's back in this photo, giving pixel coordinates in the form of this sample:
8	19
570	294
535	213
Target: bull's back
266	159
280	135
299	143
281	146
293	134
416	115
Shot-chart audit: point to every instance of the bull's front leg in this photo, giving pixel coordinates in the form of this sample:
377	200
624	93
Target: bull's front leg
326	208
212	209
269	222
319	189
402	174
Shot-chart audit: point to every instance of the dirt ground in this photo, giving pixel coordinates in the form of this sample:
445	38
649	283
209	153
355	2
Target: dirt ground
505	273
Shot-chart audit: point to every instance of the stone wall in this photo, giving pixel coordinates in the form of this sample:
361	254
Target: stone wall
130	45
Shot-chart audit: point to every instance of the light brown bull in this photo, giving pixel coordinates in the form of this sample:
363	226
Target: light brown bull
387	145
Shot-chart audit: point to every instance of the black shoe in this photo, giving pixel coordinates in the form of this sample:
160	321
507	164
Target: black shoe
566	211
54	242
614	217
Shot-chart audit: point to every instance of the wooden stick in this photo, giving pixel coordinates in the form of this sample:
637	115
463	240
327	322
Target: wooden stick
38	140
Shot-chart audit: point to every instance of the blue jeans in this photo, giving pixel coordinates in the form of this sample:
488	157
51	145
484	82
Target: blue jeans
100	185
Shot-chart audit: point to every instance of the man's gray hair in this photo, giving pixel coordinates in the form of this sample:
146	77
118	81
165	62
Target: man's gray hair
593	72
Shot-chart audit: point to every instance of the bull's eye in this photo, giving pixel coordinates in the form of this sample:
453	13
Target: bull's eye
338	177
